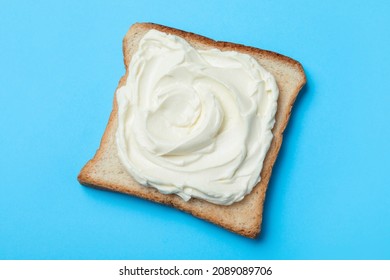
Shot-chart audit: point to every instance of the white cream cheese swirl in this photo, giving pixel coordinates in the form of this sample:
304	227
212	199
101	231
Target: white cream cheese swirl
196	123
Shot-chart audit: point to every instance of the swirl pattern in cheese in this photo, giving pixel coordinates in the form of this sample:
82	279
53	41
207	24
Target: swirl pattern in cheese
196	123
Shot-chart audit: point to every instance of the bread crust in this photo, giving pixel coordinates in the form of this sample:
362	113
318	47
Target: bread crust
104	171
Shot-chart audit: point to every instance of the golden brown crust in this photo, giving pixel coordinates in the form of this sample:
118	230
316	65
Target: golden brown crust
219	44
243	217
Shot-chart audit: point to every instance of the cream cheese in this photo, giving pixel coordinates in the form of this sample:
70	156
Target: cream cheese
196	123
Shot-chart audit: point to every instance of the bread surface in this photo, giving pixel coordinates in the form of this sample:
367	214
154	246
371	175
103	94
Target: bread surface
104	170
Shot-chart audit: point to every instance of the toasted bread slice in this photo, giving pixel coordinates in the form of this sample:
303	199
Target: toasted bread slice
105	171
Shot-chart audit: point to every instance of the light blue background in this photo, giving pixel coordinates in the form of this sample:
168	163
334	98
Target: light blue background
329	196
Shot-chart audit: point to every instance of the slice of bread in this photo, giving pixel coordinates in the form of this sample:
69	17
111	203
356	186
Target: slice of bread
105	171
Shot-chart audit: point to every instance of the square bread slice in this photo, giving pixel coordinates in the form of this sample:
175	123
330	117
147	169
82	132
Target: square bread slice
105	171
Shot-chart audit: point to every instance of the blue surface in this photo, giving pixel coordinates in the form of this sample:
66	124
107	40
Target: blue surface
329	196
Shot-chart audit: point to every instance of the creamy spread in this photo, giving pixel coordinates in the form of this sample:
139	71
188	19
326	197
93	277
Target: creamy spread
196	123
